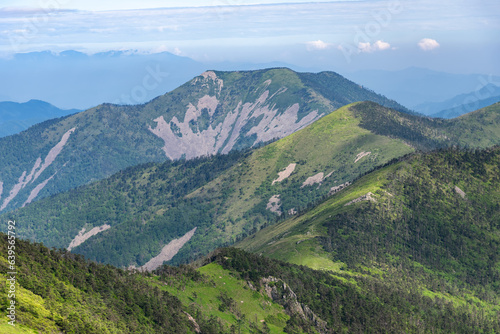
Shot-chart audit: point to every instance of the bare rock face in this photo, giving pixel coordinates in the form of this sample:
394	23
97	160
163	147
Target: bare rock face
254	121
38	168
281	293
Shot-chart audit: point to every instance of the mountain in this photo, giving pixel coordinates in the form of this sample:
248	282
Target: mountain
230	291
215	112
465	108
428	223
16	117
415	86
463	103
179	211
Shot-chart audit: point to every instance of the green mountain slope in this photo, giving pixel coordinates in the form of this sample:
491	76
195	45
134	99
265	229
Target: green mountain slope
135	216
429	223
230	291
57	291
146	207
61	292
215	112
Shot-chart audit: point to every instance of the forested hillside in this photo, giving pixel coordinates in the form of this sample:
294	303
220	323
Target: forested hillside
427	224
230	291
131	217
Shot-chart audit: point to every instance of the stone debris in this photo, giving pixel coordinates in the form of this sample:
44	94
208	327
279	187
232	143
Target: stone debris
367	197
34	193
37	169
284	174
197	327
168	251
81	237
338	188
318	178
54	152
460	192
223	136
362	155
274	204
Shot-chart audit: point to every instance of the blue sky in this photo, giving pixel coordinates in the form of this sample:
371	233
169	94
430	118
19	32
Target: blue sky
451	35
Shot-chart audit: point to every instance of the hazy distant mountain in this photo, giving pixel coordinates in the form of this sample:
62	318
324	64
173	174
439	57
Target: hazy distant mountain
215	112
462	104
415	86
16	117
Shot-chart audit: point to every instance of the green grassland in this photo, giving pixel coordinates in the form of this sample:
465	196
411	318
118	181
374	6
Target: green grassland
223	295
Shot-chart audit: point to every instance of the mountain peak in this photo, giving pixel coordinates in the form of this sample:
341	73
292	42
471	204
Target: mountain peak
215	112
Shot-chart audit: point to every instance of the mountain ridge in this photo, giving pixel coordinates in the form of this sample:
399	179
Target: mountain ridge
428	221
150	205
402	249
462	103
194	119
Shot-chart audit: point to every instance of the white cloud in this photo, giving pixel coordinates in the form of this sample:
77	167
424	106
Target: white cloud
377	46
317	45
428	44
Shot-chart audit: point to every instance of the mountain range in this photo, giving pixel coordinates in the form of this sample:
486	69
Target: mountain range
147	214
215	112
72	79
463	103
347	211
